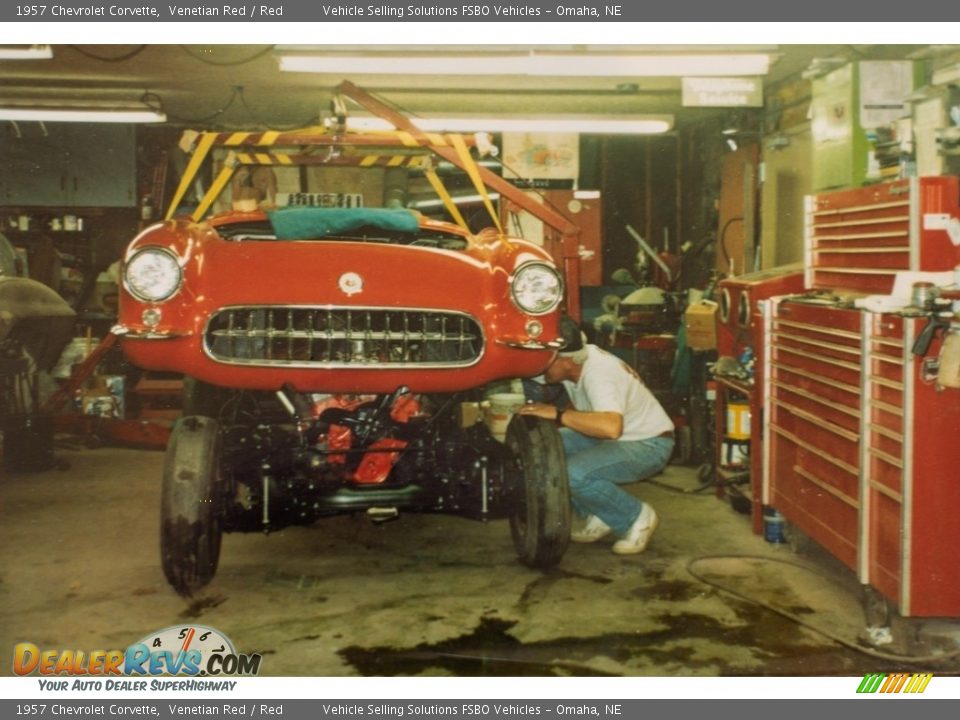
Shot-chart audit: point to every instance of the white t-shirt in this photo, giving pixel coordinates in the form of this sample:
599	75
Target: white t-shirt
608	384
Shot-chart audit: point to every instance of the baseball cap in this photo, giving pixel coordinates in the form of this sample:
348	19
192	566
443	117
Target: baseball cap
573	337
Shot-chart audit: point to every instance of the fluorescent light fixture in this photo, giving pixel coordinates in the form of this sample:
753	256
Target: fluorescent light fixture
593	65
25	52
49	113
599	125
457	200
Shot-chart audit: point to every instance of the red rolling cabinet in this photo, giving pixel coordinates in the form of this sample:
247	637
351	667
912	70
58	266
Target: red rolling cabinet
862	449
858	239
739	402
739	320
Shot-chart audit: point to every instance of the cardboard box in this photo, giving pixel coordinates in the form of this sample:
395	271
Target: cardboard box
106	397
700	320
101	406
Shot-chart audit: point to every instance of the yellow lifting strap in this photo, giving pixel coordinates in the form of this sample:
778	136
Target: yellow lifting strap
229	167
448	203
471	168
196	160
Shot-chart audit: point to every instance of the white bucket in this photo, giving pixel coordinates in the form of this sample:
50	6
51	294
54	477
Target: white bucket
501	407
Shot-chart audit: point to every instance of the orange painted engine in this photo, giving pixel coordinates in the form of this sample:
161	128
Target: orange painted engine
381	454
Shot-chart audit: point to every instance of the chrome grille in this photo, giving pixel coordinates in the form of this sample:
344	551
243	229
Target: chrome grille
342	337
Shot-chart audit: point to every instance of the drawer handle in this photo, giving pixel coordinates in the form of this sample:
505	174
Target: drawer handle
813	450
827	487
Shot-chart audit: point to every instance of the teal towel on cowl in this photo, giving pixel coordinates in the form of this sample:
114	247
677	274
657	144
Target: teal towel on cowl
308	223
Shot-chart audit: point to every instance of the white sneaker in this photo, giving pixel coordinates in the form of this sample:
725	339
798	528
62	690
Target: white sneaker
594	529
639	534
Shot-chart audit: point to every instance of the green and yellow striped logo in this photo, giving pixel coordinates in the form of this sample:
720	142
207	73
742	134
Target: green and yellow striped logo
896	683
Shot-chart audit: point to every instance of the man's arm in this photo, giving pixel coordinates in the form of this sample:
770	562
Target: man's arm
601	425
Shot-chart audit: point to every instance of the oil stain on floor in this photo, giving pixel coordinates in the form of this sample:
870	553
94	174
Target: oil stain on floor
491	650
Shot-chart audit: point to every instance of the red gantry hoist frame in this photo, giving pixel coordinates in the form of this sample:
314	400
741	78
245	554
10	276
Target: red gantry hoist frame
407	138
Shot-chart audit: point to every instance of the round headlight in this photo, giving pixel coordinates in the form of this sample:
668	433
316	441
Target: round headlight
536	288
153	274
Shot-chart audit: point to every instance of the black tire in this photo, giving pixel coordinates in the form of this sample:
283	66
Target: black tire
200	398
192	503
540	525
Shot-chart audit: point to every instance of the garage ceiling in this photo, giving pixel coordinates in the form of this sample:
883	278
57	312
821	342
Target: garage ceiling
241	86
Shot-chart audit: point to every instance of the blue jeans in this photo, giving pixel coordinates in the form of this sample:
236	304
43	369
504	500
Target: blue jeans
597	467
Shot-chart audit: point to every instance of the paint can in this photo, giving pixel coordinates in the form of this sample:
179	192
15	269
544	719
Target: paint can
738	421
774	526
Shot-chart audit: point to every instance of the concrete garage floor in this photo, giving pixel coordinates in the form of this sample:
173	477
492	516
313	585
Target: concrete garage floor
428	595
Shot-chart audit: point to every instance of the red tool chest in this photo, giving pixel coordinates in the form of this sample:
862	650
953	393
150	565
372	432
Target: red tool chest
862	450
853	440
739	327
858	239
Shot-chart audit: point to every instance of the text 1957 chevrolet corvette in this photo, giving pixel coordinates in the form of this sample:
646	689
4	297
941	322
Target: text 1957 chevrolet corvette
327	352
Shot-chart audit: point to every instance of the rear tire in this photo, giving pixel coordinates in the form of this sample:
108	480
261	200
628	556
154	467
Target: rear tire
540	525
192	504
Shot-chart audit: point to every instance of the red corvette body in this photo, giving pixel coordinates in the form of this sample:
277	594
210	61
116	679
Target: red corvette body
366	310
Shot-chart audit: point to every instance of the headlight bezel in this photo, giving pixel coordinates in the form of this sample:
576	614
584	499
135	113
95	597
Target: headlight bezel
533	309
137	292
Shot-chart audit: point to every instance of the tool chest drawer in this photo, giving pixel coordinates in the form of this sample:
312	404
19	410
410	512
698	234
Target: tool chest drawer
814	422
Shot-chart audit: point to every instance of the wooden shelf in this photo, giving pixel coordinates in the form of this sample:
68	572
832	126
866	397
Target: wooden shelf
741	386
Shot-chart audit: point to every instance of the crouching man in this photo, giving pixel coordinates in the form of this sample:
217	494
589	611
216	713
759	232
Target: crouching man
615	433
